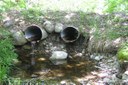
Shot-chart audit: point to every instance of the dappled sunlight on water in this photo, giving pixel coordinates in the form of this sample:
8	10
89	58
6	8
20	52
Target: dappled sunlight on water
45	70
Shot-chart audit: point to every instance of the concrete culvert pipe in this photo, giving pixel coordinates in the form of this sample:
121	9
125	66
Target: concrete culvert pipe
35	33
70	34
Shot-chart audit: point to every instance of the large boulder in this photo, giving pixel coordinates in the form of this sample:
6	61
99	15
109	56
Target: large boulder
58	55
19	38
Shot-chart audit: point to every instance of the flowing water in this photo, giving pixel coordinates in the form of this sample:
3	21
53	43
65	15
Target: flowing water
76	70
39	67
33	53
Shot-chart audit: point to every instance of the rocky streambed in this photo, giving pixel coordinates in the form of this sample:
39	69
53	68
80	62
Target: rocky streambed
90	60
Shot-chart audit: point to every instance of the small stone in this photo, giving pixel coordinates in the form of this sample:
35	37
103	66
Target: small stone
53	48
42	72
102	75
106	80
119	75
114	79
8	23
125	76
58	27
16	62
34	76
78	55
49	26
21	23
27	47
96	57
71	83
63	82
126	72
125	82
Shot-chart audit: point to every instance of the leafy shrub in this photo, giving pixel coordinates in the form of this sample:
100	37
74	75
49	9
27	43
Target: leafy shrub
116	6
7	54
123	53
6	5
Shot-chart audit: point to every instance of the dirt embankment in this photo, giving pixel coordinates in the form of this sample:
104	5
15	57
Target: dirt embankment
103	33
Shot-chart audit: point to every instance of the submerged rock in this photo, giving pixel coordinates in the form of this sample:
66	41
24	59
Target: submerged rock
59	62
27	47
16	62
59	55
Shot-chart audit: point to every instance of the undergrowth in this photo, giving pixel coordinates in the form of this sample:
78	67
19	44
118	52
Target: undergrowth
7	54
107	26
123	53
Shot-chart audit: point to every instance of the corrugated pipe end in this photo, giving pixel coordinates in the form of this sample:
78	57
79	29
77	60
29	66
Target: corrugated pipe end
35	33
70	34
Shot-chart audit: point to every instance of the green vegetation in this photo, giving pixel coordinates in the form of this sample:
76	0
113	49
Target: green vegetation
104	6
7	54
123	53
6	5
116	6
18	81
107	26
31	15
31	11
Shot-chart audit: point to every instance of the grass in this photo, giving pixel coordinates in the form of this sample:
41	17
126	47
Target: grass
116	6
7	54
111	24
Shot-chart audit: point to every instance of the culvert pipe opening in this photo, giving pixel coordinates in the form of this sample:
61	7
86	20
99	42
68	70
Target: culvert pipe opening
70	34
33	33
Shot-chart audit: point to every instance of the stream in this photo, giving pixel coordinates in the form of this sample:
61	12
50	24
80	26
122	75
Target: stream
80	68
